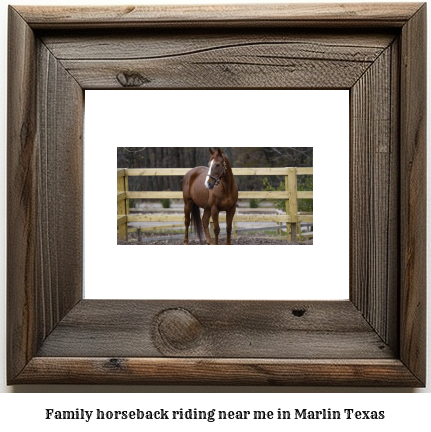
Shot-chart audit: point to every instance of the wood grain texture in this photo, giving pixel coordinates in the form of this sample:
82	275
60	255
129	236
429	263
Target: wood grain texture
413	194
300	15
217	371
21	194
54	337
120	45
59	190
241	329
44	193
374	195
212	60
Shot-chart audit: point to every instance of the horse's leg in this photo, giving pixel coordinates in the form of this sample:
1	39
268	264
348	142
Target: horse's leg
206	223
229	218
214	215
188	204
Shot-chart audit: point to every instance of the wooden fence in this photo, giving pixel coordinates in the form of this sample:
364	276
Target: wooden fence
290	194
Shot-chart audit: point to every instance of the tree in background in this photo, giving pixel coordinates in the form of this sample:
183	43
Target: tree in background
190	157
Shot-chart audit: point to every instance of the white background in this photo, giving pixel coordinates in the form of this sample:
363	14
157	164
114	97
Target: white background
404	410
209	118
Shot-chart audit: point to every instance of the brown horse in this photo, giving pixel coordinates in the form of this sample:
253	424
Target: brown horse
214	189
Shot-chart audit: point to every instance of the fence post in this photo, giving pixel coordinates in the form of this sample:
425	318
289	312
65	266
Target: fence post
291	204
288	228
299	232
126	188
122	205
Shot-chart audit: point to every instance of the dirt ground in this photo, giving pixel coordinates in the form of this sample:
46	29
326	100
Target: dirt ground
241	240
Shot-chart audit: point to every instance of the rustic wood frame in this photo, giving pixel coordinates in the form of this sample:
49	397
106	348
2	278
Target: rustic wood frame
377	338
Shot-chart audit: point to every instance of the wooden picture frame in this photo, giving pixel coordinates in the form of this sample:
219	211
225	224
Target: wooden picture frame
376	338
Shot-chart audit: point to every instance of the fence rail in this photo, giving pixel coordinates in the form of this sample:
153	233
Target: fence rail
290	194
241	195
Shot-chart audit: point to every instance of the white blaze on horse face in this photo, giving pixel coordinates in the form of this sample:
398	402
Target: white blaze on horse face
207	185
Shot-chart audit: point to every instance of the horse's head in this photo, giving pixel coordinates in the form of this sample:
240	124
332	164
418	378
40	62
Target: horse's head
217	167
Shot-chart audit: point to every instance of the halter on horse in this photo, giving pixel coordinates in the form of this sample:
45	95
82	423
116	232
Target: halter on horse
214	189
218	178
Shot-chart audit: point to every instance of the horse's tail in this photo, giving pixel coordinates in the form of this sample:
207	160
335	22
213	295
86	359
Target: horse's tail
197	222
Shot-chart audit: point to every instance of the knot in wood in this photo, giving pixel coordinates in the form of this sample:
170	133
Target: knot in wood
131	79
178	329
298	312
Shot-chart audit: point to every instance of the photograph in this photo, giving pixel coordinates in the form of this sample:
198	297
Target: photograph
232	196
